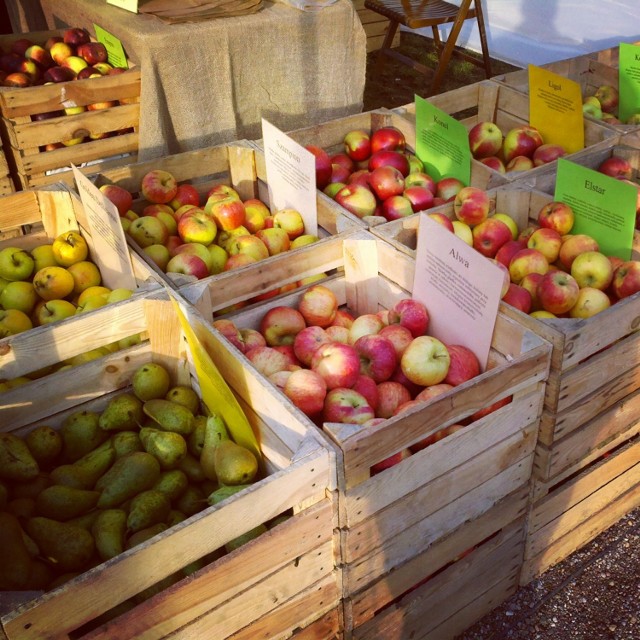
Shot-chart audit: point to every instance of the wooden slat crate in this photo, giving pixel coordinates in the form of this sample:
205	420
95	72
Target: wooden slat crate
24	139
412	520
493	102
6	182
588	72
375	26
282	584
330	136
238	165
590	406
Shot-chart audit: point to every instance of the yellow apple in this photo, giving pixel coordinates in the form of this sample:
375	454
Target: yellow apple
590	301
70	247
13	321
118	294
304	239
93	291
85	274
510	222
43	256
463	231
53	283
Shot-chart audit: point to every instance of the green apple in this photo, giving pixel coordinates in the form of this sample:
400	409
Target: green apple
159	254
16	264
304	239
20	295
218	258
118	294
43	256
51	311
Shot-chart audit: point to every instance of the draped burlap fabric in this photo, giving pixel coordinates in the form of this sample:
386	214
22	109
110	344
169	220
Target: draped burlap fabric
211	81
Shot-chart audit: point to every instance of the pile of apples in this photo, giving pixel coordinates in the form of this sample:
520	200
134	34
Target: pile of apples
70	56
548	271
603	105
377	178
522	148
337	367
183	234
50	282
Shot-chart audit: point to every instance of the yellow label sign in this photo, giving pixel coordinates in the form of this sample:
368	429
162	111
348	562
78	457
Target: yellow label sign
215	391
555	109
129	5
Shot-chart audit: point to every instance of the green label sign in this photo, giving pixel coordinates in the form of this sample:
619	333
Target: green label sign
629	81
115	50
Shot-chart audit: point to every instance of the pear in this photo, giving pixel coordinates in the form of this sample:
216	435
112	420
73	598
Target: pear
234	464
245	537
222	493
30	489
175	517
22	507
170	416
195	441
135	472
145	534
15	560
148	508
86	520
192	468
150	381
85	472
63	503
215	432
185	396
80	434
45	444
68	547
122	413
40	576
166	446
191	501
125	442
109	529
172	483
16	461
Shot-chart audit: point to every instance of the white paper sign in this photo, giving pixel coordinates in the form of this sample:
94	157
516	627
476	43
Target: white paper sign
460	288
107	235
291	176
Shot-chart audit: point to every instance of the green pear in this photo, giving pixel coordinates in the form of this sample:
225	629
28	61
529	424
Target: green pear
30	489
192	468
172	483
128	476
150	381
60	502
195	441
109	530
22	507
16	461
40	576
166	446
45	444
80	434
15	560
234	464
192	500
122	413
175	517
68	547
170	416
232	545
145	534
185	396
148	508
85	472
86	520
215	432
124	442
222	493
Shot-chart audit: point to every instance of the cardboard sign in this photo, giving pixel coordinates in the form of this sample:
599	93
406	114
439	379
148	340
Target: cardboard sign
442	143
291	176
129	5
115	50
555	109
460	288
604	207
107	235
216	394
629	81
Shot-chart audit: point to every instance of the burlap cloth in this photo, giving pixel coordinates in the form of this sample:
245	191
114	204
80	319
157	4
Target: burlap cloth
210	82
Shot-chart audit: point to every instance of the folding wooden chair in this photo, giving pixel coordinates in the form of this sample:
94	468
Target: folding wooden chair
416	14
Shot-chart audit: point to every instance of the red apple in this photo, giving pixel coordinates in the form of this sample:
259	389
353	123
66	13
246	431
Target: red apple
390	461
185	194
307	341
485	139
323	165
519	297
493	162
58	74
420	179
574	245
410	314
267	360
92	52
342	319
228	213
361	177
357	144
337	363
521	140
318	306
281	324
39	55
386	181
546	153
230	331
387	138
557	215
530	282
364	324
626	279
345	161
76	36
546	240
392	158
307	390
396	207
367	387
119	196
490	235
463	365
557	292
421	198
20	45
508	250
527	261
158	186
472	205
339	175
188	264
616	167
608	97
377	356
519	163
357	199
399	336
275	239
347	406
391	395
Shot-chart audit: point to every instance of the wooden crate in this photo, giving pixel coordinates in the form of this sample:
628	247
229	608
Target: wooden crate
589	72
6	182
29	219
508	108
330	136
284	583
400	526
24	138
238	165
375	26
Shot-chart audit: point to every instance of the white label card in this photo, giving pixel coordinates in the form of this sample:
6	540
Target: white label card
291	176
107	235
460	288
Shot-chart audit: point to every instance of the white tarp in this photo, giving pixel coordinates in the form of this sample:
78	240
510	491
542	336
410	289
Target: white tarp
539	31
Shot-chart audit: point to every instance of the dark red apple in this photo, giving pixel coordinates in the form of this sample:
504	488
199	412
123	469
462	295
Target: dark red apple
388	137
323	165
393	158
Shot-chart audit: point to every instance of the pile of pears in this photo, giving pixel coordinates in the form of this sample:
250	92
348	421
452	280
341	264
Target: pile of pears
103	482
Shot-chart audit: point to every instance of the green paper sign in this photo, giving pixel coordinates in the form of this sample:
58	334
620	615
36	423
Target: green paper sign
442	143
115	50
629	81
604	207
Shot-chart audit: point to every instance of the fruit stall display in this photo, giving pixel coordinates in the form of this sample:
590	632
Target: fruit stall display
598	82
199	214
588	413
432	489
147	512
348	150
62	103
50	270
489	102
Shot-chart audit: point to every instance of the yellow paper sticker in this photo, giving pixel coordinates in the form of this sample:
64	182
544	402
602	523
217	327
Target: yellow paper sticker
215	391
129	5
555	109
